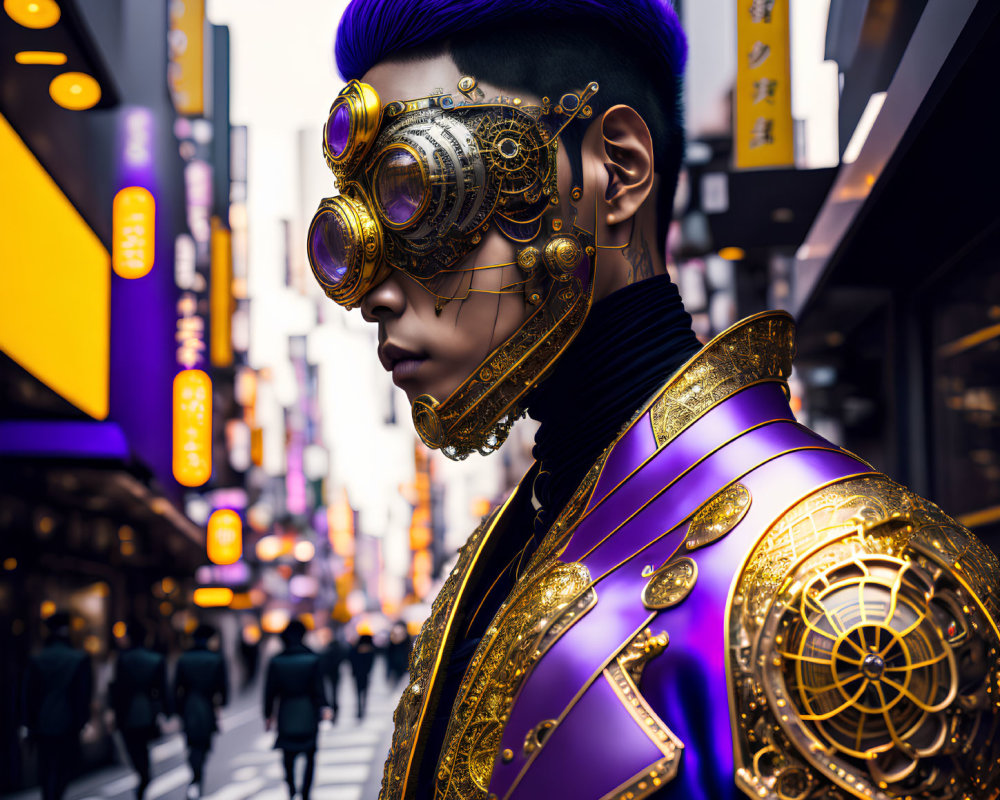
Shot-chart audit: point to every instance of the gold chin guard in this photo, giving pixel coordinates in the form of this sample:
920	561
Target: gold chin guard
479	414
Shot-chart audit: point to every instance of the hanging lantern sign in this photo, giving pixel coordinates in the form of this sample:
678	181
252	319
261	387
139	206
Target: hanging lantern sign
225	537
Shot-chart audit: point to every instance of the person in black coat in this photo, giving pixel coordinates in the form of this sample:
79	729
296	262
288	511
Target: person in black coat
295	681
138	695
397	654
201	686
331	659
362	658
58	687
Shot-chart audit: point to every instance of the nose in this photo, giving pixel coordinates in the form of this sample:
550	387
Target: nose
386	300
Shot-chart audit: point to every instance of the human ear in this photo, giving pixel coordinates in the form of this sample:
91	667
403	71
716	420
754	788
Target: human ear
628	161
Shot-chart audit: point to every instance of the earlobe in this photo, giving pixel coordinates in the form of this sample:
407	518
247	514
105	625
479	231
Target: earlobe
628	159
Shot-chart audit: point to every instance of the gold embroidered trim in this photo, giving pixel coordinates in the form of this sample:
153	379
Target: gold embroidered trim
646	782
527	623
718	516
760	348
846	627
623	674
423	664
647	719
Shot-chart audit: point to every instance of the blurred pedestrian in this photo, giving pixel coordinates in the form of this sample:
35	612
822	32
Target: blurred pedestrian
249	656
397	653
58	688
362	658
138	695
295	682
332	657
201	686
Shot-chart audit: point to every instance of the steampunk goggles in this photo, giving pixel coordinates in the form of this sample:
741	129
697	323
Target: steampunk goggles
422	180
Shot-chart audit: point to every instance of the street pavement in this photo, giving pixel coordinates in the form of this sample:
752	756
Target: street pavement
243	764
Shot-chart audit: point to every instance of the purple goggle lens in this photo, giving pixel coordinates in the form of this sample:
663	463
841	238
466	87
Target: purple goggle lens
400	187
338	130
331	249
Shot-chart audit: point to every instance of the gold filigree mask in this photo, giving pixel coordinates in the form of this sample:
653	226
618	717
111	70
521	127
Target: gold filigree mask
421	181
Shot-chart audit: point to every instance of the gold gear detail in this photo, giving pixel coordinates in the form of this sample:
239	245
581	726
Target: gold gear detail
864	652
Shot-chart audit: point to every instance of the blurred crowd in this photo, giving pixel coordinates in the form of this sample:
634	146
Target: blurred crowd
300	688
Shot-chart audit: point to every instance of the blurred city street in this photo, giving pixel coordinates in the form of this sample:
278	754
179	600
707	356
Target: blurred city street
243	763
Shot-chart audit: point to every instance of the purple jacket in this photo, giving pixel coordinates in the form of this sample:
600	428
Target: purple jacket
728	604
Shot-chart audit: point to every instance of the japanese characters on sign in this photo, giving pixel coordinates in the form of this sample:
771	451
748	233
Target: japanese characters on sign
192	451
225	537
133	228
763	129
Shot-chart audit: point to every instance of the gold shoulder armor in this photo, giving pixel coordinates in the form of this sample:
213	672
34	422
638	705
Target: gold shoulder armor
863	652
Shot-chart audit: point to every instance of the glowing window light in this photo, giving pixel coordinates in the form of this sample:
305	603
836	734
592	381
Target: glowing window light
275	620
33	13
304	551
192	452
340	521
52	57
213	596
269	548
225	537
76	91
732	253
241	602
251	634
303	586
132	236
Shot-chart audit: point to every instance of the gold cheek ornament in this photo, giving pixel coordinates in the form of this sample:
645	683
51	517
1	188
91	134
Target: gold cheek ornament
421	181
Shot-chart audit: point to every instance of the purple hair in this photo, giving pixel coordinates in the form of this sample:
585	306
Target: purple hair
372	30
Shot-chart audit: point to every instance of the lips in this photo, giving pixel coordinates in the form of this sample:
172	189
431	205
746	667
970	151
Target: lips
402	363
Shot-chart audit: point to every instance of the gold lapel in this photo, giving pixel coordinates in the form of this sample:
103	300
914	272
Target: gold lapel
426	661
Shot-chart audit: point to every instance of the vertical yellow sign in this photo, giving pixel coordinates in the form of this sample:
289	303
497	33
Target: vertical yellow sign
221	296
192	455
763	130
133	224
186	56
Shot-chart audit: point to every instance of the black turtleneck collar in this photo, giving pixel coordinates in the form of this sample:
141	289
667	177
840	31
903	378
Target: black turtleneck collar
631	343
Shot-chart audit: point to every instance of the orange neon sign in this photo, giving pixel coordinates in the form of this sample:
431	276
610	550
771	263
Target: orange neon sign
221	296
133	232
225	537
213	596
192	461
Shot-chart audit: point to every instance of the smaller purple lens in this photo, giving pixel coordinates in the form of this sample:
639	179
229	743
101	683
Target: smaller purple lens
331	248
338	130
399	186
